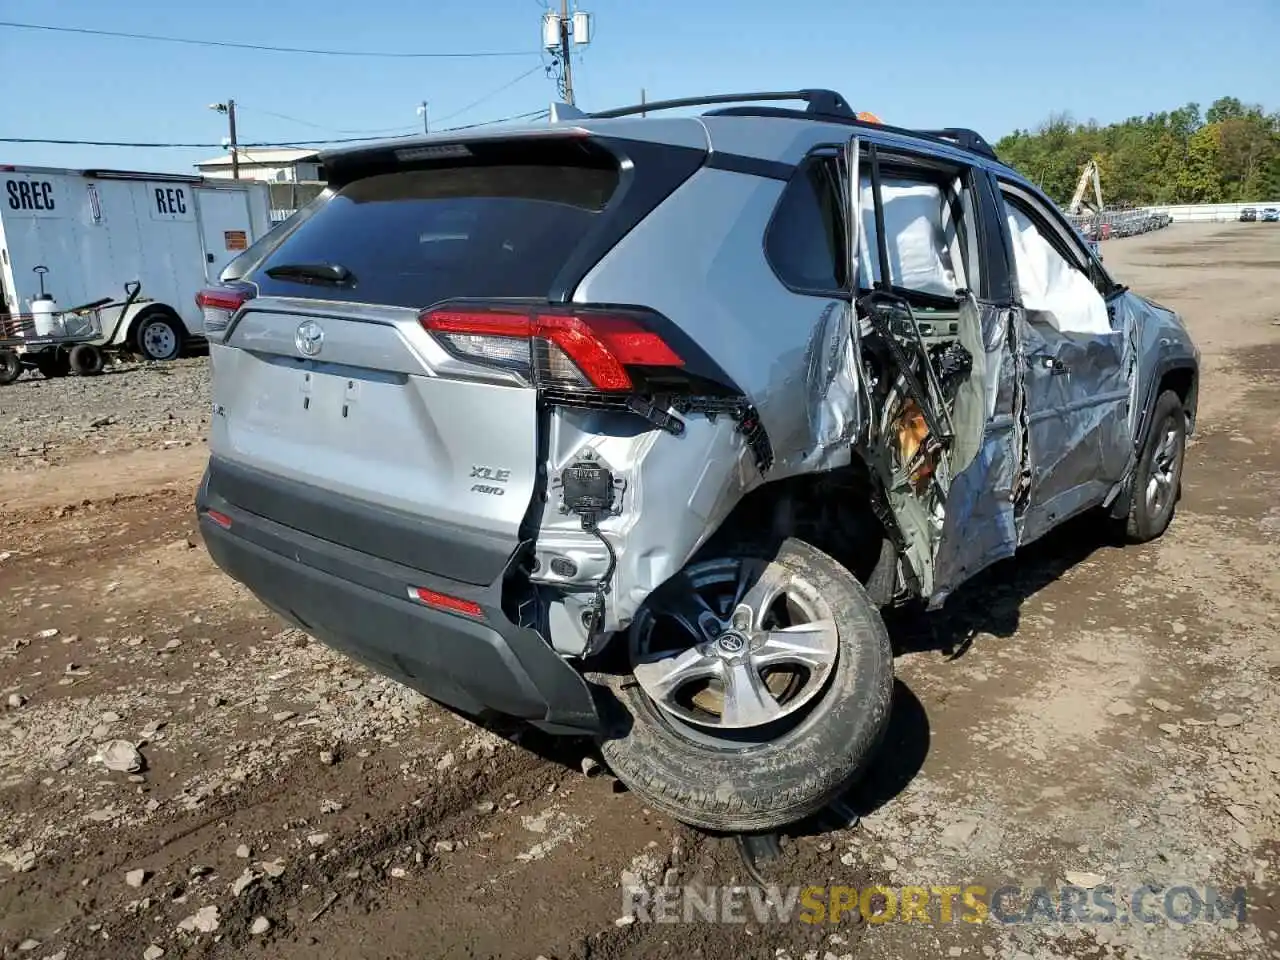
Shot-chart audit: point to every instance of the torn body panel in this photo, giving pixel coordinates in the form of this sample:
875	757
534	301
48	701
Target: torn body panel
979	526
834	390
672	493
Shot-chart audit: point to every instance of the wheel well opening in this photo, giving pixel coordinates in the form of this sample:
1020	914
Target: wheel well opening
831	510
151	310
1182	382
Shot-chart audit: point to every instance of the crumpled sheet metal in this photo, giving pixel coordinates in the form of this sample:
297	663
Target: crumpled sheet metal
1078	434
834	405
979	527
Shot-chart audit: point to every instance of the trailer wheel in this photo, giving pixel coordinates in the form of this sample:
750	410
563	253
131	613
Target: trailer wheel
10	367
159	337
53	363
86	360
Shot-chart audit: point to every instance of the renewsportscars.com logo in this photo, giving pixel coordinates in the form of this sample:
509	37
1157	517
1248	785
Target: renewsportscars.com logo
951	903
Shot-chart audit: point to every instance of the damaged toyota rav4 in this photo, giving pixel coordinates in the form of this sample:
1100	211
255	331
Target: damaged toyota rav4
629	427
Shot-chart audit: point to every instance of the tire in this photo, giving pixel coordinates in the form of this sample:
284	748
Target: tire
10	367
52	363
86	360
158	337
1157	481
776	773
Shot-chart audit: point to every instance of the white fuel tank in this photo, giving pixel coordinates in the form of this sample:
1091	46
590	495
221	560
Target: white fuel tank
45	319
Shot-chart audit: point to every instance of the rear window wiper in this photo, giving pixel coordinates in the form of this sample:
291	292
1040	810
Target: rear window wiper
333	273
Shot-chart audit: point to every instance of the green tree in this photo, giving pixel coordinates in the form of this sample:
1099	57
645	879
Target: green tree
1231	152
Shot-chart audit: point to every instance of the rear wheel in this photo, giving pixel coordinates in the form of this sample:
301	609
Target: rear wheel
759	688
86	360
1157	483
10	367
159	337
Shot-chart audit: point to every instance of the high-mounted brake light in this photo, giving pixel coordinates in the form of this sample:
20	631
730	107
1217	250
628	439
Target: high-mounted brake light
219	305
580	350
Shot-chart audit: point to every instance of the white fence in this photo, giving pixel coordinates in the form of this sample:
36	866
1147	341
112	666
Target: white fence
1210	212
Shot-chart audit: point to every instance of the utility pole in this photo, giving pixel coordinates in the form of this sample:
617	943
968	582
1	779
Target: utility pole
564	52
235	155
229	108
422	111
560	31
643	101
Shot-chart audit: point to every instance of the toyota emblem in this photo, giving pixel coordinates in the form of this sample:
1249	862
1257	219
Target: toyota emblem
309	338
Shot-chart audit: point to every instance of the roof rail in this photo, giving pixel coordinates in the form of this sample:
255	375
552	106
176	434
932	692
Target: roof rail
953	136
962	137
820	104
819	101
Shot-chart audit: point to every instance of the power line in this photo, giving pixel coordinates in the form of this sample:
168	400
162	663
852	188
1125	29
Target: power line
532	115
491	94
192	41
402	128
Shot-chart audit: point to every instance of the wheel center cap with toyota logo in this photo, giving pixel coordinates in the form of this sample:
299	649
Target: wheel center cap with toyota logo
731	642
309	338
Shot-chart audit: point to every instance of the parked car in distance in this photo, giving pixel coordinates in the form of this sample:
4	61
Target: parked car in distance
1270	215
599	426
1248	215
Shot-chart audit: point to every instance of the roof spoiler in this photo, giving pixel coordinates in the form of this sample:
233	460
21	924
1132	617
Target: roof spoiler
565	111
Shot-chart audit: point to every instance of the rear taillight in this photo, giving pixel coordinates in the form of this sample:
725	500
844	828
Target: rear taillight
219	305
581	349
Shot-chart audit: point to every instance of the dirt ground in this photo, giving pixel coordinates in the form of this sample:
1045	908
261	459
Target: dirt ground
1083	714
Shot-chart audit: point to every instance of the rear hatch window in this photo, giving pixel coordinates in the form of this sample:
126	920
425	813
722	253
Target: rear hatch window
414	237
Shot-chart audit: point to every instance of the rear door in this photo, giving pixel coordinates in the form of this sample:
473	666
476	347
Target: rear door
928	239
225	227
337	414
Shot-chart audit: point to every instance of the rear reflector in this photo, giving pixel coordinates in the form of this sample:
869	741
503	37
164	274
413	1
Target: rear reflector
221	519
583	349
219	305
442	601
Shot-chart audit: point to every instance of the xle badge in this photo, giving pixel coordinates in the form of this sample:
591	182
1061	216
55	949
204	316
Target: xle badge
491	476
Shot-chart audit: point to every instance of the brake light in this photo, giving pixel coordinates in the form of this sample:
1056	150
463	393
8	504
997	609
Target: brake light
219	305
442	601
582	349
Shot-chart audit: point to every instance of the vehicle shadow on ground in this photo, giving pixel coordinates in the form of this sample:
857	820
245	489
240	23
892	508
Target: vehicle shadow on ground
989	603
992	601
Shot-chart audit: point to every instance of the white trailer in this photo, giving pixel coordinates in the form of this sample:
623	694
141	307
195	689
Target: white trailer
96	230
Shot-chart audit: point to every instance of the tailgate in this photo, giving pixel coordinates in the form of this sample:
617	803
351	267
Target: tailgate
367	445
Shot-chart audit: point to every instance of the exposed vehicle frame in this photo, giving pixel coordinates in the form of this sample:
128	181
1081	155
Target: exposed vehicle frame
756	458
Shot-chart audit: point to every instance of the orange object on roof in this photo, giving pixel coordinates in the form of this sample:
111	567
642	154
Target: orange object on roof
867	117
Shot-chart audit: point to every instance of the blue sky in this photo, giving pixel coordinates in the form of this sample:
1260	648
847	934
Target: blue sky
990	64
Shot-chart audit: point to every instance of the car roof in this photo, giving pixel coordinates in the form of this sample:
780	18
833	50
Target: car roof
762	133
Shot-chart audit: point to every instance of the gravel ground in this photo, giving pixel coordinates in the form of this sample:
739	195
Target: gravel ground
182	777
129	406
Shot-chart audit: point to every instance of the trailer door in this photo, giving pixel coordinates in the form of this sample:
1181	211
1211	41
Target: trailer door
225	227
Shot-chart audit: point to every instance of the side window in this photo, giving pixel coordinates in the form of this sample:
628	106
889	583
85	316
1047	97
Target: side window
805	240
1066	239
929	238
1054	287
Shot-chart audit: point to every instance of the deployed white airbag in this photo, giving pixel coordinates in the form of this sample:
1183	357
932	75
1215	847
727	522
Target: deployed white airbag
920	237
1052	286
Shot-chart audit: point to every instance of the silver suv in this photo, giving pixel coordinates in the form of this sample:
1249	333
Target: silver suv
630	426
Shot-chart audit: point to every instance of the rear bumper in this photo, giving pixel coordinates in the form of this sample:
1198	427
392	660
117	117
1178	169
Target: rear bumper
360	605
